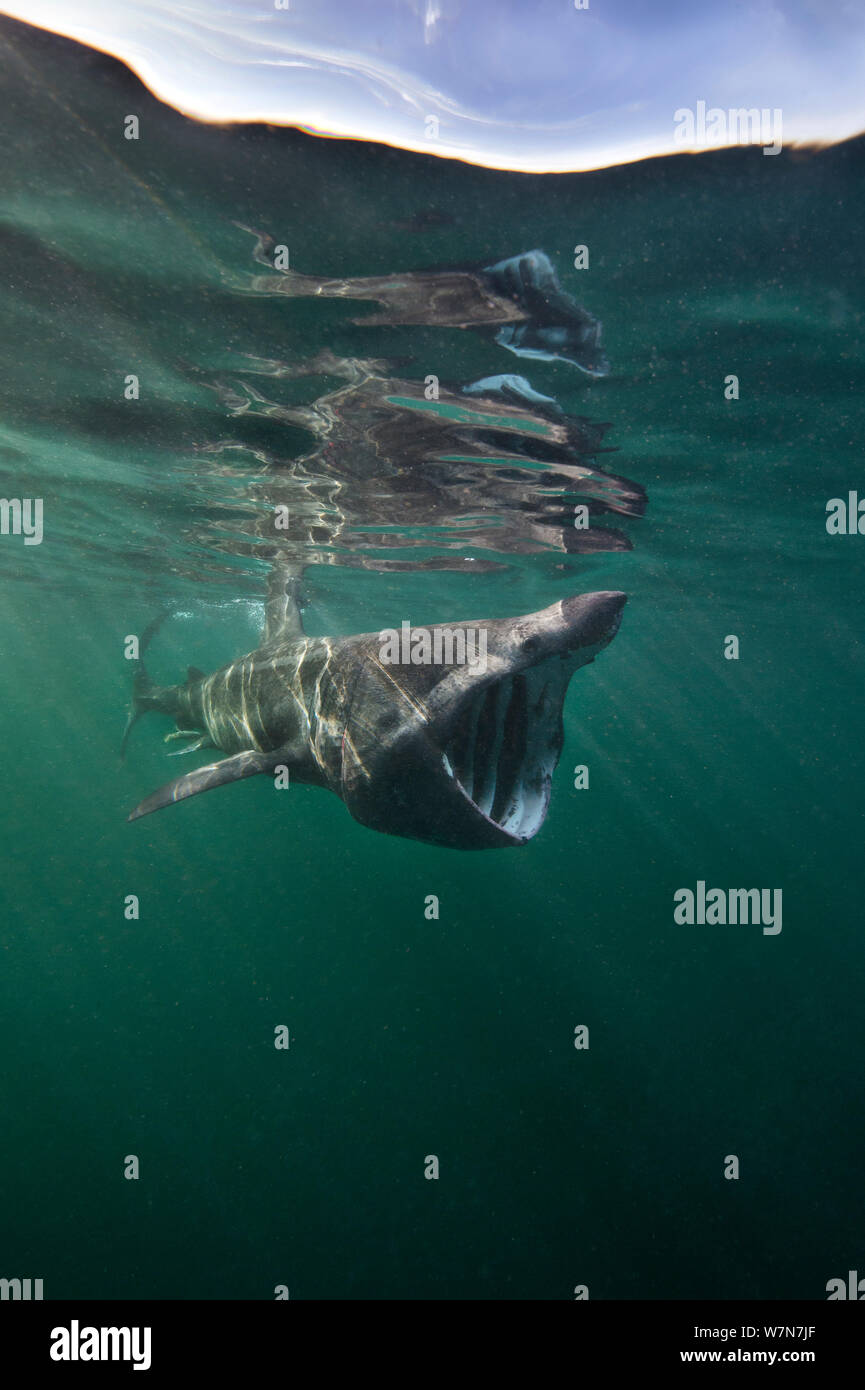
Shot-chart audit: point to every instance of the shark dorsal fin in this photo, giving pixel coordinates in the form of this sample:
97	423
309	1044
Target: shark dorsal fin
194	674
282	608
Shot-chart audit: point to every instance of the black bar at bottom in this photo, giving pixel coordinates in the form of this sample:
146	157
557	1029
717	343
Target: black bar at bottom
63	1339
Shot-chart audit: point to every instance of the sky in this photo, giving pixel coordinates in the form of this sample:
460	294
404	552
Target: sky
535	85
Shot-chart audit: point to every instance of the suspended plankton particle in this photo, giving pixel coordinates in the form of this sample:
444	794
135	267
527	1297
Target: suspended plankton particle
533	85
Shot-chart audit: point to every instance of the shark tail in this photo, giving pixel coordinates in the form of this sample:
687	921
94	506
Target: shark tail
146	694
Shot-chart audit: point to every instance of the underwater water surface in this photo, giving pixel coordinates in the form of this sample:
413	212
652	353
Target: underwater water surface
412	1037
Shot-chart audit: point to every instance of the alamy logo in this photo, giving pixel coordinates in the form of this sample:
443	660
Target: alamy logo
739	125
853	1287
22	516
720	906
439	646
76	1343
23	1289
846	515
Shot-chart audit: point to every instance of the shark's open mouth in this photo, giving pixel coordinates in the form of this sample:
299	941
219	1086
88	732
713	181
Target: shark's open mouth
505	746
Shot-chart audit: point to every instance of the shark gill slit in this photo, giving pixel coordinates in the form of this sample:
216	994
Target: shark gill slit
505	746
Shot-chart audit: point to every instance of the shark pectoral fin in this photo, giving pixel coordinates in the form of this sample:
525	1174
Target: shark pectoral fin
203	779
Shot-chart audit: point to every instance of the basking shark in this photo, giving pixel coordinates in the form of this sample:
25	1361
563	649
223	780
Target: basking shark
456	753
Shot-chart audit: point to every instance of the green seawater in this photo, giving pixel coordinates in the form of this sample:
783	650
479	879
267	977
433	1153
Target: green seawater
410	1037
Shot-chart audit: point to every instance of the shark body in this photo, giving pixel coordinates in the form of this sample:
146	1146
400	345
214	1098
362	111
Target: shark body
455	754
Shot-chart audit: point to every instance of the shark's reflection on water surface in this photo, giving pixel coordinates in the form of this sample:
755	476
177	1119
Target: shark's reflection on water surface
398	463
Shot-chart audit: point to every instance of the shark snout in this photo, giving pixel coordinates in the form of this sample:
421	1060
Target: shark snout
594	618
575	629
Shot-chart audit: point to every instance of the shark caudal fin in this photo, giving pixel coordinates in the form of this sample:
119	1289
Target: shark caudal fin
144	690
